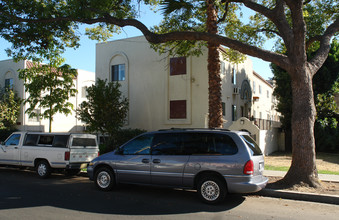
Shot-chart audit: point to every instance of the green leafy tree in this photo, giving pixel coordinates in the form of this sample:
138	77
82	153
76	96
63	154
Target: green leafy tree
49	86
9	109
296	24
106	110
326	85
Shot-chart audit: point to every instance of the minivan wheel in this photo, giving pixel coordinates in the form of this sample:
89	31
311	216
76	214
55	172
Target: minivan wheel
211	189
104	179
43	169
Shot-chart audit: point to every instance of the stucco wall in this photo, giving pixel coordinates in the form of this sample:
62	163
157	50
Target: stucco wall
149	87
269	141
61	123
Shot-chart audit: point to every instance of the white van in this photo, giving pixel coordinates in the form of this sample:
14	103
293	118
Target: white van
47	152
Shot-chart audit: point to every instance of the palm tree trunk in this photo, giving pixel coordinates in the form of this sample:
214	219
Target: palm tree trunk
214	80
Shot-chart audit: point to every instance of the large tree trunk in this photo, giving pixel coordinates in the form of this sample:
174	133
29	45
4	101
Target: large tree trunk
214	80
303	167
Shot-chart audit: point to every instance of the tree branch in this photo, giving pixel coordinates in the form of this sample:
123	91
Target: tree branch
276	15
225	14
154	38
317	61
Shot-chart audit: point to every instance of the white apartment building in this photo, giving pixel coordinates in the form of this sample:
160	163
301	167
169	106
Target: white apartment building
61	123
166	92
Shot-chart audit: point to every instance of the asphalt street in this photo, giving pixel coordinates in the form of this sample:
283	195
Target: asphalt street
24	196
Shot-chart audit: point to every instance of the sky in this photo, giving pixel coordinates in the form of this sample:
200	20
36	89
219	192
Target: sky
84	56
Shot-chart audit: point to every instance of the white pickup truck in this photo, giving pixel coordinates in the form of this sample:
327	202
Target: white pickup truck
47	152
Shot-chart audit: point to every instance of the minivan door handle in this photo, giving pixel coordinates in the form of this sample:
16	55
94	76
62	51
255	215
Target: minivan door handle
145	160
156	161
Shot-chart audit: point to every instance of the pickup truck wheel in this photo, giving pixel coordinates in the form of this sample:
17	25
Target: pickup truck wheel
104	179
43	169
211	189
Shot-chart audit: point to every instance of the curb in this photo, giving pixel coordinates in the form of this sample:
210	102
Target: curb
302	196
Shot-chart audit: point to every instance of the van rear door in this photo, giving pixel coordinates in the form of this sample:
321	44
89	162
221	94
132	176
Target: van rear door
256	155
83	148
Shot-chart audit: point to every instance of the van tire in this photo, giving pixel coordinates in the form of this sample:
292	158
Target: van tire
43	169
104	179
211	189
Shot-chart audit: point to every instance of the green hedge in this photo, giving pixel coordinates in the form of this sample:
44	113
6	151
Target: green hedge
326	138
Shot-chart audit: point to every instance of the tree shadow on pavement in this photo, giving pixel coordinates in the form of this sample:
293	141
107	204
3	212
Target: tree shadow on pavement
22	189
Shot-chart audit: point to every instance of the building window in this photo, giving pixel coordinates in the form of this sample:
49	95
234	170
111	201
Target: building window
234	112
9	83
253	87
118	72
222	68
234	76
268	94
178	109
260	115
178	66
223	108
84	92
259	89
254	114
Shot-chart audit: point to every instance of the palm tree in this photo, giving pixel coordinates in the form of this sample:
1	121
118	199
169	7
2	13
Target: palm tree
214	80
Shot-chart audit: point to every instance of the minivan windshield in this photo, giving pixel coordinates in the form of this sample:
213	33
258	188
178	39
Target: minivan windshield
255	149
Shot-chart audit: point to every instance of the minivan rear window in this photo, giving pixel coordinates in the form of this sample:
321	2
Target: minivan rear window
255	149
84	142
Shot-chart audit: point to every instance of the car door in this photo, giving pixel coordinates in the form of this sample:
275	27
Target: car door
168	161
133	161
10	152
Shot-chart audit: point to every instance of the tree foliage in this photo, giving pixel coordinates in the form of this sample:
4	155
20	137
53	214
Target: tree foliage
106	110
326	85
298	25
49	86
9	109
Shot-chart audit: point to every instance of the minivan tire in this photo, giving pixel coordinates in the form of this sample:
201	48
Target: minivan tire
104	179
43	169
211	189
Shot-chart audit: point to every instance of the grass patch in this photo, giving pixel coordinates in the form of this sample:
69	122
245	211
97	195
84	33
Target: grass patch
275	168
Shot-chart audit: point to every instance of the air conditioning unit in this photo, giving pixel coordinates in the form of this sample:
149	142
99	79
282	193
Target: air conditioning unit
236	91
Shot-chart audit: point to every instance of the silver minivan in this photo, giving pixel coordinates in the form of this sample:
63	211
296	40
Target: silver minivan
212	161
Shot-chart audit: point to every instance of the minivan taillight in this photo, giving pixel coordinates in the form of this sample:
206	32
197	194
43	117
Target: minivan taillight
249	168
67	155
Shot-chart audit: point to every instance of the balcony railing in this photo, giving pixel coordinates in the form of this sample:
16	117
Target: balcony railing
265	124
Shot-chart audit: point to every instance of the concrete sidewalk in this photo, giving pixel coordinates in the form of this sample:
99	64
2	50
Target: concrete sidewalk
303	196
323	177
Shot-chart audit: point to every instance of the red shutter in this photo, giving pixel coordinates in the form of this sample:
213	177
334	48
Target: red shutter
178	109
178	66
